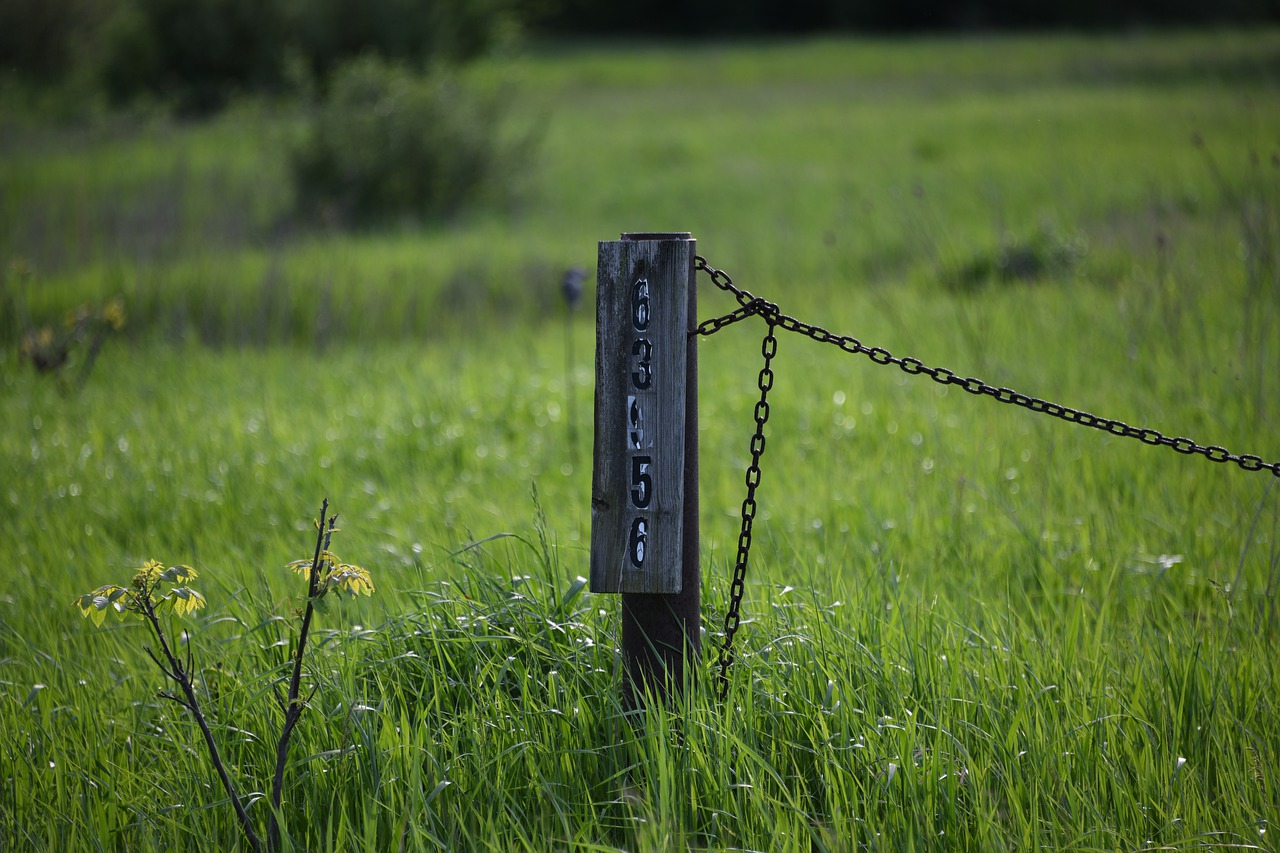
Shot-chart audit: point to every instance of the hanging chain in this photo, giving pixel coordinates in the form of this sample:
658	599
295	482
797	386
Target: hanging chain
751	305
732	618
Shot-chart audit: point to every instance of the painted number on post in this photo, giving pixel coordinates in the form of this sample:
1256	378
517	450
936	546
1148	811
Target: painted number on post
638	483
638	444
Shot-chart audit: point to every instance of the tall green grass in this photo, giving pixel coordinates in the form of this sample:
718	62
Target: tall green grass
880	162
967	627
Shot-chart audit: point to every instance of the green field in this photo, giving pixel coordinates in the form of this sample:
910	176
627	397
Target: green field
967	626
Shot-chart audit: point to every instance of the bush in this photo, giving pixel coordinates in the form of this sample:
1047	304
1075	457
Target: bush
389	142
324	34
39	39
193	53
196	53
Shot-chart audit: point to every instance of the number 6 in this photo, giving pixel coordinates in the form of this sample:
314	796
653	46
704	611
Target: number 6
640	304
639	536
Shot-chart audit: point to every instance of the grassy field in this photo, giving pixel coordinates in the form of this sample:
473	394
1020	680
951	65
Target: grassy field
967	626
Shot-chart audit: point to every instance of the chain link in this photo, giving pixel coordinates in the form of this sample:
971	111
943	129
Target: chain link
750	306
732	618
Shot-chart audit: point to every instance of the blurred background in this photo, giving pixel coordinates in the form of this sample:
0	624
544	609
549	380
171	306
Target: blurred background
202	200
256	253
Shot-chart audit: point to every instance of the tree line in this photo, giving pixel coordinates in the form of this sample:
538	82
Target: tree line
752	17
197	53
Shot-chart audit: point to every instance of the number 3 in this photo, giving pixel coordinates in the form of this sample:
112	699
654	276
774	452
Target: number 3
642	376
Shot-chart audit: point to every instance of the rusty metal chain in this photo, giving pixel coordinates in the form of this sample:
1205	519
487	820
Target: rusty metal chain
732	618
751	305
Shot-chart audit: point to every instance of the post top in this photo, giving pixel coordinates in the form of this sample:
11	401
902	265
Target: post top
657	235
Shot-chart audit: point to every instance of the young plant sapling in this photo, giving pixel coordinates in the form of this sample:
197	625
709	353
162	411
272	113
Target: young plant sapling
156	589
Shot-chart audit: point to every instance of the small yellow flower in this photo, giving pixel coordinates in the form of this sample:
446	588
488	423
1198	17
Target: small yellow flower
113	314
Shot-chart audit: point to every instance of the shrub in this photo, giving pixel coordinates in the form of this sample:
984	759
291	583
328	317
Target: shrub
197	53
324	34
389	142
193	53
1047	252
39	39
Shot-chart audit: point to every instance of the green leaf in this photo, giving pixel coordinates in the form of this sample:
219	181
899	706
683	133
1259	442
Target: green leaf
575	589
353	580
93	605
177	574
148	574
186	600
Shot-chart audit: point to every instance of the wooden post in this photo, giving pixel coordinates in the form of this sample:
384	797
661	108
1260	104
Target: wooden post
644	497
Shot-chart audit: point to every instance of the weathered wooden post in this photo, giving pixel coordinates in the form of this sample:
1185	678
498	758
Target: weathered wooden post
644	488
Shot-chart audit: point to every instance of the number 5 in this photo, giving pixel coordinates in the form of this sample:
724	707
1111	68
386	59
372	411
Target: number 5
641	482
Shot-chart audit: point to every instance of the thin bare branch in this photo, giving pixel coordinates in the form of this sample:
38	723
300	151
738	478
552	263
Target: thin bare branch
293	708
192	704
165	694
161	666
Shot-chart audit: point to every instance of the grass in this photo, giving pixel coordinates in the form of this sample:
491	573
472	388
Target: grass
967	627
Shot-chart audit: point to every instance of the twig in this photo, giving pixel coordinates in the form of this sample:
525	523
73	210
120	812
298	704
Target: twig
156	660
293	705
182	676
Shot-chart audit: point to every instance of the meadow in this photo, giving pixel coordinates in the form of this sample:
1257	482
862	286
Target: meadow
967	626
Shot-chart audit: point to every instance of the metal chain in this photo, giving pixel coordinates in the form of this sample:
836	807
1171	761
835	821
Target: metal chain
751	305
769	348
